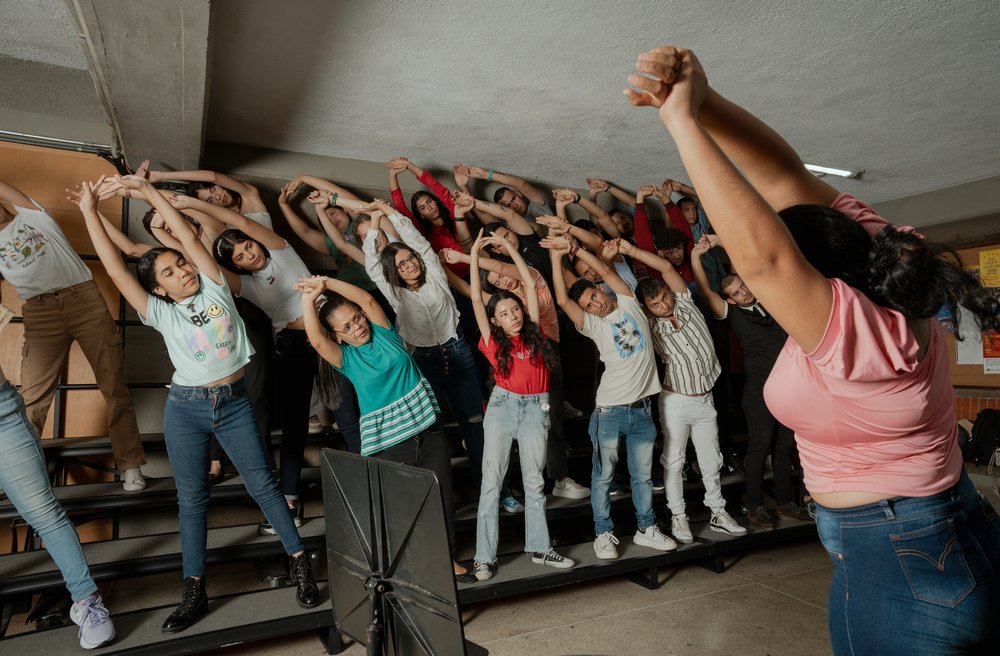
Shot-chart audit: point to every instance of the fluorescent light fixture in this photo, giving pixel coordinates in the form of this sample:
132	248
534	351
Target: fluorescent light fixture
829	170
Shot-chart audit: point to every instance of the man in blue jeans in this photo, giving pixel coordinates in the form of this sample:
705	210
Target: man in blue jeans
624	394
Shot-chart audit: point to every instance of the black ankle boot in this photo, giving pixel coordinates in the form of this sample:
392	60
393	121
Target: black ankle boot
301	572
194	605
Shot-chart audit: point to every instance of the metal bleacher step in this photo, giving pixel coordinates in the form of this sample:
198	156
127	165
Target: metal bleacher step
231	620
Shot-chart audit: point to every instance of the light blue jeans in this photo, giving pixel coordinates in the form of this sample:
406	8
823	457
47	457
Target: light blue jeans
25	480
607	425
914	576
509	417
192	415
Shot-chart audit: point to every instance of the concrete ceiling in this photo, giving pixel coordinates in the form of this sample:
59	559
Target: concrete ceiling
907	91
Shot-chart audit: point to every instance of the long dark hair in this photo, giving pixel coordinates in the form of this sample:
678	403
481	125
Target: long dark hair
425	224
235	195
896	269
531	336
145	270
147	222
391	272
226	243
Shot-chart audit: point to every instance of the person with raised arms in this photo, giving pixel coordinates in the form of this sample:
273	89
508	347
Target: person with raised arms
190	304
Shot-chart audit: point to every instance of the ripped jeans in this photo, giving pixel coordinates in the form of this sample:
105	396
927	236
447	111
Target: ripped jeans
914	576
453	376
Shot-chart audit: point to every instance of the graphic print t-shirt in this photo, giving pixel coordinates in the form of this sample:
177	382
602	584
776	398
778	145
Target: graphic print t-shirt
625	347
35	256
205	336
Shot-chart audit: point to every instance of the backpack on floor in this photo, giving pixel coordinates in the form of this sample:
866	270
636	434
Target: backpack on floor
985	435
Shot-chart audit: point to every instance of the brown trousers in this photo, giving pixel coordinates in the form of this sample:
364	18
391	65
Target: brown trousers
51	323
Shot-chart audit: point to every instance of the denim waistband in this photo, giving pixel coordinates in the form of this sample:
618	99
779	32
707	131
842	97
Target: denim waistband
502	393
235	388
900	506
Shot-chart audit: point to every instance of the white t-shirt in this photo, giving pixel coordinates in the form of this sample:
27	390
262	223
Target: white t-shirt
35	256
270	289
205	336
262	218
626	349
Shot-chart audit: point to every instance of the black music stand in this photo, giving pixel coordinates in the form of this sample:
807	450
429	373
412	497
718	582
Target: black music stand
391	579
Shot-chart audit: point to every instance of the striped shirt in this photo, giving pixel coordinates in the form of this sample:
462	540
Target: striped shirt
690	364
396	401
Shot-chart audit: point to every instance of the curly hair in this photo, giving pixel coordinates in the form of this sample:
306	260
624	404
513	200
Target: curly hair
531	336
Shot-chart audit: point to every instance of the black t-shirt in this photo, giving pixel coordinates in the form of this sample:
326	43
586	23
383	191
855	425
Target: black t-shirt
537	257
761	338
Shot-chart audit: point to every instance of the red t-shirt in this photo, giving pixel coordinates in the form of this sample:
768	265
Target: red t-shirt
528	375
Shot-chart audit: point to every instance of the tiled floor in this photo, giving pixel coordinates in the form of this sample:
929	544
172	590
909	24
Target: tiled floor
768	602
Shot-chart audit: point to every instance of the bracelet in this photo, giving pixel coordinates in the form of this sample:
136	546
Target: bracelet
489	175
333	199
460	219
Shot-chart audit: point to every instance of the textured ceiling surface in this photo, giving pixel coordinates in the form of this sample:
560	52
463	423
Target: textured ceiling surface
39	31
906	90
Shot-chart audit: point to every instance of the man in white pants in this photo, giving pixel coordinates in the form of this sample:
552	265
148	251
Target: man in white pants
681	339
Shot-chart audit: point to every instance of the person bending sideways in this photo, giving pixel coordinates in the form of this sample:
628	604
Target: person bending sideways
761	339
62	305
864	379
521	356
624	395
400	419
194	311
690	369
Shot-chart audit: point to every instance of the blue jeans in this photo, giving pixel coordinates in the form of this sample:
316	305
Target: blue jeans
453	376
914	575
607	425
192	415
524	417
25	480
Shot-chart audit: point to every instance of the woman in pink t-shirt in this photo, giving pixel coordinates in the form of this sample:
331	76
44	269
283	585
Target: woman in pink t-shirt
864	378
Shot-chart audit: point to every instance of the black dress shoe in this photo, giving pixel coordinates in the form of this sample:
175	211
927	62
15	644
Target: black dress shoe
194	605
300	571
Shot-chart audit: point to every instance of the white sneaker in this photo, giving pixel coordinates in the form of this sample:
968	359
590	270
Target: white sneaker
567	488
723	523
681	529
94	620
604	546
570	412
132	480
654	539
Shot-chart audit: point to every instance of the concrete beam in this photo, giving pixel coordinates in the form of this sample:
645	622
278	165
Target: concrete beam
149	62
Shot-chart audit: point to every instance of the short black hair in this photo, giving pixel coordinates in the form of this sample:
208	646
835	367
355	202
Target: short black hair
577	288
649	287
498	194
671	238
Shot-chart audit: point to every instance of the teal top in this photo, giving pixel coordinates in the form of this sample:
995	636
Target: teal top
347	269
396	400
205	336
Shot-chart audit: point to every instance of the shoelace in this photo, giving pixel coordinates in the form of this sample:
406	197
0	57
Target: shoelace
303	573
93	616
613	539
192	591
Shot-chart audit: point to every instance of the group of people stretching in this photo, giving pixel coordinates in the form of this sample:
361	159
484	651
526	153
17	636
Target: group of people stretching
833	308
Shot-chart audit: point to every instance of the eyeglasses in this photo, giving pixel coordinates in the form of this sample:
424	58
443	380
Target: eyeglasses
412	259
352	325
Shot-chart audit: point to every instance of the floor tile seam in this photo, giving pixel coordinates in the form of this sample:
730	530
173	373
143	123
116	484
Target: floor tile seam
781	576
618	614
788	594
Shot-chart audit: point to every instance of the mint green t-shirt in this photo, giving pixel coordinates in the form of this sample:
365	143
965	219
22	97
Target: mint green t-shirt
205	336
347	269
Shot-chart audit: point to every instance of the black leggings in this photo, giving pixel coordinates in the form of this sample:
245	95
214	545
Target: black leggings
293	370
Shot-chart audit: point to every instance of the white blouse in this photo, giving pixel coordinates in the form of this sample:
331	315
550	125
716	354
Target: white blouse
428	316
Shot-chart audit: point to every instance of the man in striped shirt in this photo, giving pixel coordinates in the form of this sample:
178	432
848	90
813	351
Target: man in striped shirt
681	338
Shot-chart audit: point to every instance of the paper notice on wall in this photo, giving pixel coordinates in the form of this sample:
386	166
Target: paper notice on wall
969	342
989	267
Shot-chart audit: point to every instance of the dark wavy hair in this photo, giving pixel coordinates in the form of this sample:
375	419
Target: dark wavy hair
147	221
145	270
648	288
235	195
391	273
425	224
671	238
227	242
895	269
531	336
484	274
